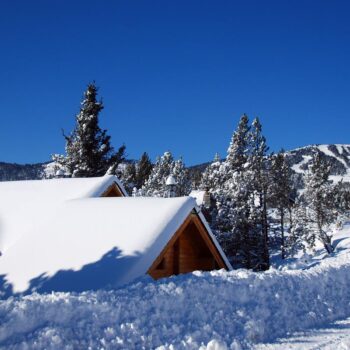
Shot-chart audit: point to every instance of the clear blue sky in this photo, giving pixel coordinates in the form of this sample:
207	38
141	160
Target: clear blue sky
174	75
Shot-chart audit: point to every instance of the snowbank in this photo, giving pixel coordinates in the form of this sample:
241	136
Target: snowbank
212	310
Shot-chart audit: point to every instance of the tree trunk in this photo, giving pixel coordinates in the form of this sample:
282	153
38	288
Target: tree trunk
326	240
283	253
266	257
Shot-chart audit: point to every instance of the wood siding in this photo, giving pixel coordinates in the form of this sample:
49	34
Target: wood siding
113	191
190	249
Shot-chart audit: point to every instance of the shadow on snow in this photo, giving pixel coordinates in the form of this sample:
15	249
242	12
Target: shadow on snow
112	267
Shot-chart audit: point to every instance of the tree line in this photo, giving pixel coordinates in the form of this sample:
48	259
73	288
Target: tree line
255	204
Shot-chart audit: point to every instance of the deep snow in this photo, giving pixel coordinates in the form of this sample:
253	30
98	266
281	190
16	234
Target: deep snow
212	310
60	235
336	336
24	205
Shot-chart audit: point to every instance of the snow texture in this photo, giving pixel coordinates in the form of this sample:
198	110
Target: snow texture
26	204
335	336
297	167
198	195
72	244
203	310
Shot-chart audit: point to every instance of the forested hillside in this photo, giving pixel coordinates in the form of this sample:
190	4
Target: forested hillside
338	157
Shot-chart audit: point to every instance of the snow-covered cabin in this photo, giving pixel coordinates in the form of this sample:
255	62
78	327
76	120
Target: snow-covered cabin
80	234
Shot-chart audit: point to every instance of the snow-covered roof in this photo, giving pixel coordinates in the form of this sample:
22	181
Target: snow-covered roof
23	203
81	241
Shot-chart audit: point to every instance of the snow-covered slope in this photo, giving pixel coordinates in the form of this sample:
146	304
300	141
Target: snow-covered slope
213	310
338	157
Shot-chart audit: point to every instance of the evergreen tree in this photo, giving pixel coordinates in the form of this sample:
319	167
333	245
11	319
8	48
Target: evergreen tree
342	198
223	179
143	170
155	184
319	203
295	241
237	152
242	196
88	148
257	166
281	191
238	203
128	177
211	176
181	175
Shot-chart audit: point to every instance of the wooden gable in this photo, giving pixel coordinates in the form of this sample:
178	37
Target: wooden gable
191	248
113	191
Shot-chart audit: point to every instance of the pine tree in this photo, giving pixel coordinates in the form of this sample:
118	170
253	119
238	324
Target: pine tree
281	192
238	149
88	148
224	183
257	166
319	203
181	175
143	170
239	186
238	214
155	184
128	177
211	177
295	241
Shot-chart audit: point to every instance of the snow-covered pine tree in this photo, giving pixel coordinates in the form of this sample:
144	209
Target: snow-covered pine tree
342	198
320	206
241	239
280	192
295	241
181	175
239	146
143	170
236	158
128	177
239	187
88	148
155	184
231	195
258	179
211	177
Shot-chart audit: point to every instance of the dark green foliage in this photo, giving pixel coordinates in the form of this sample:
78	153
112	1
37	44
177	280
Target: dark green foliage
88	149
143	171
281	193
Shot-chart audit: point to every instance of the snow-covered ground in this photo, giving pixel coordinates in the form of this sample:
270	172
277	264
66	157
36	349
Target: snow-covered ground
335	336
212	310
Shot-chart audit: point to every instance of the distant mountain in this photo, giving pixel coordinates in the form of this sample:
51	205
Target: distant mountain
13	171
338	157
299	159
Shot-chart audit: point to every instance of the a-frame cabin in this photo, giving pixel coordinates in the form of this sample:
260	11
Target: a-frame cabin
190	248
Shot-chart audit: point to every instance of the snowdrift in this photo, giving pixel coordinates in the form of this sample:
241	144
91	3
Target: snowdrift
212	310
